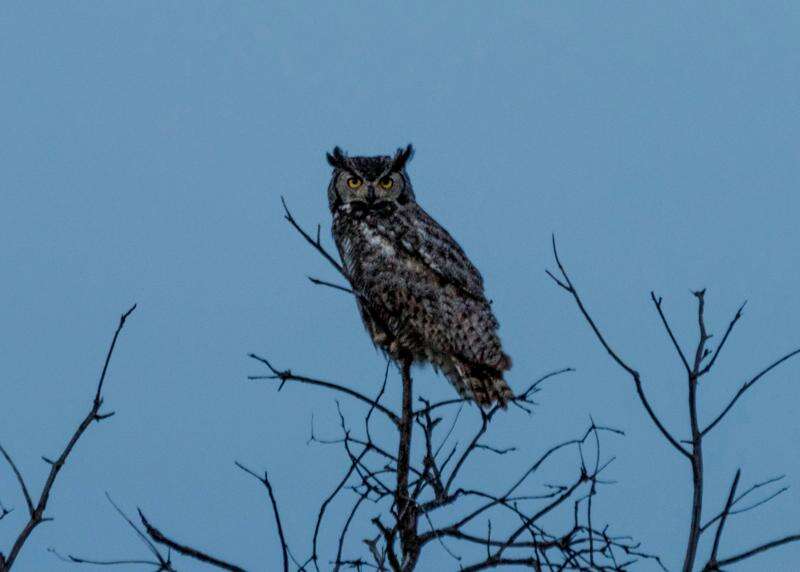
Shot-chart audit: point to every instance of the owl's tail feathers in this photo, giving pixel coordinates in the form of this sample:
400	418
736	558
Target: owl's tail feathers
483	384
488	390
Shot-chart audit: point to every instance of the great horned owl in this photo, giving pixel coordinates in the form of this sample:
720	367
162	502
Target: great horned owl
419	295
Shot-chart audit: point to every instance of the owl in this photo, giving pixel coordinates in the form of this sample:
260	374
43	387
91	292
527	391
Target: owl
419	296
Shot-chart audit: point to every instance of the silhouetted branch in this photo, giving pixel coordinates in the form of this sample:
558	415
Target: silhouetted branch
757	550
265	481
78	560
756	504
696	457
406	506
399	543
747	385
524	397
23	487
355	463
723	518
694	370
319	282
567	285
162	562
657	302
287	375
37	510
194	553
4	511
732	323
316	243
338	562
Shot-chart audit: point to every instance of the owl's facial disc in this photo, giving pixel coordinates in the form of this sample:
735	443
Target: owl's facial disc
353	187
369	182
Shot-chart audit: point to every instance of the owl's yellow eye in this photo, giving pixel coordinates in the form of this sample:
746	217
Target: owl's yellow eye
386	183
354	182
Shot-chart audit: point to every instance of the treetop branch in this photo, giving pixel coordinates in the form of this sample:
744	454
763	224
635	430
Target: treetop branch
37	510
194	553
747	385
287	375
567	284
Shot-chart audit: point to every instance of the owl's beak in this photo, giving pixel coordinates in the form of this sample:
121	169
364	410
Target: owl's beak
371	194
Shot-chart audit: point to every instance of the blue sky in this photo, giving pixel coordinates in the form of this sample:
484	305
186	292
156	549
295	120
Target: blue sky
143	150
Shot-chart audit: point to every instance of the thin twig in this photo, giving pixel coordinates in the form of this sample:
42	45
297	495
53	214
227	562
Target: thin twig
287	375
757	550
747	385
712	561
320	282
342	482
756	504
343	534
721	345
265	481
72	559
20	480
163	563
657	302
199	555
317	244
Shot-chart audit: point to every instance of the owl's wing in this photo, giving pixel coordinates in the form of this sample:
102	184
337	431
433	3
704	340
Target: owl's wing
423	237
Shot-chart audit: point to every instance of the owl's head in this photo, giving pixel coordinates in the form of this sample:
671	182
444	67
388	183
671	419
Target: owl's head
369	182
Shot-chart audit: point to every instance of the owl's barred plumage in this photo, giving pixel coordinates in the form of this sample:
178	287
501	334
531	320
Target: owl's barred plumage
418	294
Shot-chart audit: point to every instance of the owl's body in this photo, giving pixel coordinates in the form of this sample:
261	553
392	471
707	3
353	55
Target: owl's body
419	296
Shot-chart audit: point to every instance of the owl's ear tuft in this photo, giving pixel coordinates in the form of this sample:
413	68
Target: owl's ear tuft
337	159
401	157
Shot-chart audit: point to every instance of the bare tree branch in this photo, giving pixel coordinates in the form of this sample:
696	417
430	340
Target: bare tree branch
20	480
696	457
319	282
287	375
338	563
747	385
757	550
407	510
37	512
316	243
567	285
199	555
712	560
694	453
353	466
4	511
754	505
78	560
265	481
657	302
732	323
163	563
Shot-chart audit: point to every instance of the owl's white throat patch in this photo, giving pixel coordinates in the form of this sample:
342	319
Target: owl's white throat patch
377	240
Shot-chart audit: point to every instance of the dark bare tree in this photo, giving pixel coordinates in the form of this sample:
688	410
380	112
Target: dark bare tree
414	480
411	488
415	485
696	365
